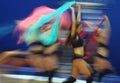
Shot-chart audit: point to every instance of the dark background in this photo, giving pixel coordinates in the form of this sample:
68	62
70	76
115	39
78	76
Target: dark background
11	10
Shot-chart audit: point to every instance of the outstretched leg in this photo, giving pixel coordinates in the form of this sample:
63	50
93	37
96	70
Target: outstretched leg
7	55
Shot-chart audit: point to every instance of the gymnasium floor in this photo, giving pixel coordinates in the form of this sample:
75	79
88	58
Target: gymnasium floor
27	75
11	78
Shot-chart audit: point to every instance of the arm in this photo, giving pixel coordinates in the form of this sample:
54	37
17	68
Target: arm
73	29
79	14
96	27
107	25
100	21
87	24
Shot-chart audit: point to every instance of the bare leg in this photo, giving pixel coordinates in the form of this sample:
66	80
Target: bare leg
5	56
102	66
36	61
79	67
84	69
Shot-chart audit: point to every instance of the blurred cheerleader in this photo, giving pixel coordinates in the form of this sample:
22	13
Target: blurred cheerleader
101	63
42	58
42	37
79	66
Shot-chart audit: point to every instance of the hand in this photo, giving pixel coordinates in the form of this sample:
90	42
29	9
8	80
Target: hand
72	8
105	17
77	5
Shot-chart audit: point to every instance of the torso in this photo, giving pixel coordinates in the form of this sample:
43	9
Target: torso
78	46
103	51
102	44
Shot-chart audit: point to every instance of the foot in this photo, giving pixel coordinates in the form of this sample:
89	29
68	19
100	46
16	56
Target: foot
70	80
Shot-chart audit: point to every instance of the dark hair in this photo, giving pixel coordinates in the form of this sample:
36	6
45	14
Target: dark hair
78	24
69	38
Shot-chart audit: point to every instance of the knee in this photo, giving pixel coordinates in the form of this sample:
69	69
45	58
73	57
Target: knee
88	75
